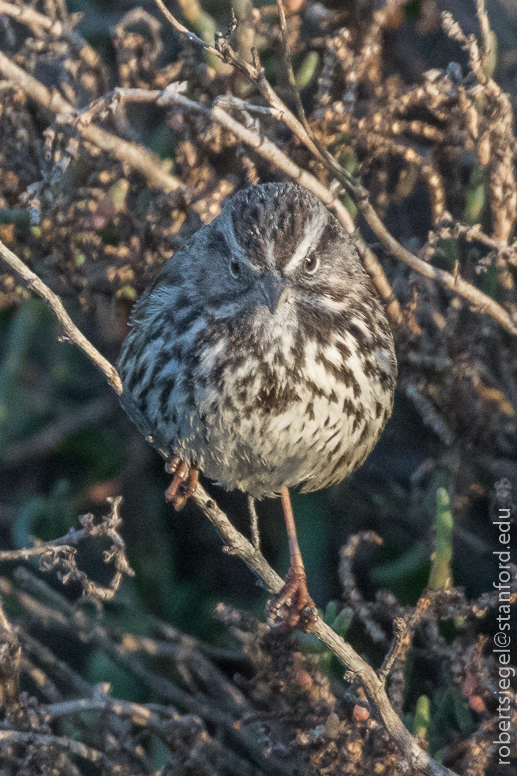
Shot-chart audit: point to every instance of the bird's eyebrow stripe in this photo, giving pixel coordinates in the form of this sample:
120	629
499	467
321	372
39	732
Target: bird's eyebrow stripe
311	236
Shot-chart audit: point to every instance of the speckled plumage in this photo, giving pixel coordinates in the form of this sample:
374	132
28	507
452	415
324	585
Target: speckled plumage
262	352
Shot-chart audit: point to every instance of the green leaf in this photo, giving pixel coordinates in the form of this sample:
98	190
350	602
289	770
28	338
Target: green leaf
440	577
422	717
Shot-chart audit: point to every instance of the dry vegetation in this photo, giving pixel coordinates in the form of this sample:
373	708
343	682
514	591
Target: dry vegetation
423	162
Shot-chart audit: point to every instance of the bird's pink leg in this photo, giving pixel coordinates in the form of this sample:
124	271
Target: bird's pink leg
293	607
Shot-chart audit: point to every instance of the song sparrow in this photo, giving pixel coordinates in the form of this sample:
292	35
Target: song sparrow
262	355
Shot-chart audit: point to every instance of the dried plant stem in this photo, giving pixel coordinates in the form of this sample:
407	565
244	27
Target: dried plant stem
302	131
92	632
68	744
184	31
11	659
452	281
59	552
34	283
254	72
132	154
29	16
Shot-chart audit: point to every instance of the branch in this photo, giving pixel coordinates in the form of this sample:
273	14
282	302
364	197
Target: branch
139	715
34	283
39	739
270	151
453	281
357	668
58	552
132	154
237	544
67	616
255	72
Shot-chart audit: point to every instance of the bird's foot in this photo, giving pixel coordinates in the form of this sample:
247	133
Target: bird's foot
183	484
293	607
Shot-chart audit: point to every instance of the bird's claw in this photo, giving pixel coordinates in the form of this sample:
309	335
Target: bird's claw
293	607
183	484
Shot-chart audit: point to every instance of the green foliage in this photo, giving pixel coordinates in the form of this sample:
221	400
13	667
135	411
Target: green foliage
441	570
422	716
307	70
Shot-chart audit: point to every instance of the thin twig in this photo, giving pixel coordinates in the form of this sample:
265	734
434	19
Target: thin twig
138	714
289	66
40	739
453	281
398	637
60	553
34	283
255	533
255	72
184	31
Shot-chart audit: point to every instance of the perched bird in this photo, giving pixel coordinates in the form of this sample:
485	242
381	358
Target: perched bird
262	355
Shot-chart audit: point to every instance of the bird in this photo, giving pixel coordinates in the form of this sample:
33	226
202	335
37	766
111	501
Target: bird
262	356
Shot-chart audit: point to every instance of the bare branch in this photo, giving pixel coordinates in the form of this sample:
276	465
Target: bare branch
68	744
59	553
34	283
237	544
183	30
480	301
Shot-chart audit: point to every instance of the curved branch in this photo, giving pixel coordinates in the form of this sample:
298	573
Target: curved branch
237	544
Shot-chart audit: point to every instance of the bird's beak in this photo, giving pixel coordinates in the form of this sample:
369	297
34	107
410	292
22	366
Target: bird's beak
271	287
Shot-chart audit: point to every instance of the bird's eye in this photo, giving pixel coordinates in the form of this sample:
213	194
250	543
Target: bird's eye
312	263
235	268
